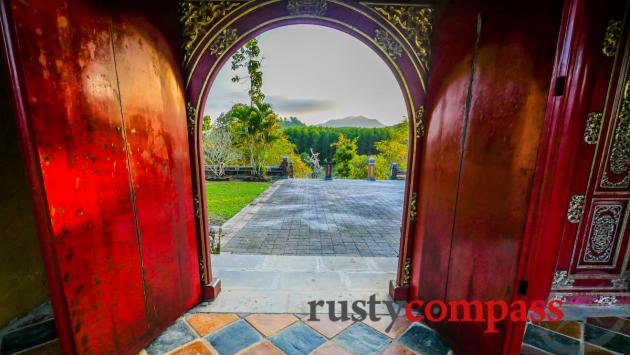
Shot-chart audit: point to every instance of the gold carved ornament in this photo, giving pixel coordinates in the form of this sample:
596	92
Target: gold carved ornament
576	208
420	123
307	7
227	38
198	16
388	43
191	118
414	22
412	206
406	276
620	151
611	38
593	127
561	280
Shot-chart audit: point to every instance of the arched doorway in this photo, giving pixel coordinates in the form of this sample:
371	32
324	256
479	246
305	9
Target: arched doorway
398	33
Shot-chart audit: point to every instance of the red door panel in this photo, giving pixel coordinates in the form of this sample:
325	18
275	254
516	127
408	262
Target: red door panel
75	115
155	125
592	266
104	100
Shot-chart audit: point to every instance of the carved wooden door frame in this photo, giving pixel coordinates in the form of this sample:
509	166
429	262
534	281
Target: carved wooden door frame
398	33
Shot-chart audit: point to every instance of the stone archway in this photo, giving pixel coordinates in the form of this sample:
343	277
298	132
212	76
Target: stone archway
398	33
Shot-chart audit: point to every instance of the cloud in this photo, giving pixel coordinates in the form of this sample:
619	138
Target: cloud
300	106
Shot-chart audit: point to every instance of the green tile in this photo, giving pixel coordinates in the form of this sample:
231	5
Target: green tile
606	339
550	341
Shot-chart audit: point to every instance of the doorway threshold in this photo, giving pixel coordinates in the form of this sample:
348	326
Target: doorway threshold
285	284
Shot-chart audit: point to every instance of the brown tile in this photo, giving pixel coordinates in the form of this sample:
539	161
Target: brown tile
195	348
594	350
206	323
400	325
619	325
326	327
270	324
330	349
262	348
568	328
398	349
530	350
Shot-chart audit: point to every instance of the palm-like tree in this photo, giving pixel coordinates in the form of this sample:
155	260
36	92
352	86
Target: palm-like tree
256	126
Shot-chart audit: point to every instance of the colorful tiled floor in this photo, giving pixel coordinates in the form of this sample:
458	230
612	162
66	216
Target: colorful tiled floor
594	336
291	334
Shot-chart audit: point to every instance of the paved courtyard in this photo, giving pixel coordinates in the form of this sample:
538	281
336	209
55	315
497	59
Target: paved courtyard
316	217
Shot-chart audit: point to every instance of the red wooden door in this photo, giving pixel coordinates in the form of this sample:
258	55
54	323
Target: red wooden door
104	111
592	265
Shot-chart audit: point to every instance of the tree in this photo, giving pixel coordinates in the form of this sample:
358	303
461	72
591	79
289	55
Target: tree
218	150
249	58
346	150
394	149
255	128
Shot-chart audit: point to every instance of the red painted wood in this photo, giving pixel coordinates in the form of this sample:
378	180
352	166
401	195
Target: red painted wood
486	103
598	86
154	113
105	102
31	161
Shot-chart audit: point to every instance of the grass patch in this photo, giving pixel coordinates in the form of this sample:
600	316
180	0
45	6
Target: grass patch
225	199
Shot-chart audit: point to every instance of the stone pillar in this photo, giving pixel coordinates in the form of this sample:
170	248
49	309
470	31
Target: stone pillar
394	174
371	170
328	170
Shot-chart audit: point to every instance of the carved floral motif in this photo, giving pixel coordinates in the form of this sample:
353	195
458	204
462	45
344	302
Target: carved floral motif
406	272
223	41
191	117
420	122
576	208
307	7
605	300
388	44
593	126
599	245
611	38
414	22
198	16
561	280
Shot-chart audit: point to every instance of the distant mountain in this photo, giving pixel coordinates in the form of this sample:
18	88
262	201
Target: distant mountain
353	121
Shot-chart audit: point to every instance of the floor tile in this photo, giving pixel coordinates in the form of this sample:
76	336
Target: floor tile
400	325
590	349
270	324
568	328
619	325
606	339
530	350
173	337
195	348
345	263
397	349
330	348
50	348
297	339
293	263
262	348
362	339
550	341
234	338
327	327
206	323
422	339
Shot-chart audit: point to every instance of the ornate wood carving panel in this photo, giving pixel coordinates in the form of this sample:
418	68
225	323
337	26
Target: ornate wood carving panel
593	261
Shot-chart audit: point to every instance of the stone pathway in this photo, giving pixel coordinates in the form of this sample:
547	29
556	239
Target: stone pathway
284	284
316	217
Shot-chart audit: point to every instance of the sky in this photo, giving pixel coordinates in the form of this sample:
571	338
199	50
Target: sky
316	74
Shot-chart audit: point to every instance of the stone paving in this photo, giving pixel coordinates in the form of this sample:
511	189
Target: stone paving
316	217
285	284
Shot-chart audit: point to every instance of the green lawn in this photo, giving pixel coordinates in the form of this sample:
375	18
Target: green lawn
225	199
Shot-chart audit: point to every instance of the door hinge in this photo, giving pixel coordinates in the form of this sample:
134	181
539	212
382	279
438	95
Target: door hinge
576	208
522	287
